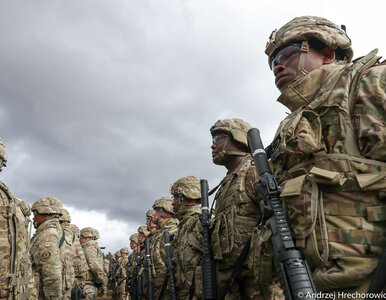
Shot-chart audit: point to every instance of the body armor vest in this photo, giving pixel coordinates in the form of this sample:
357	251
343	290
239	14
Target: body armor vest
332	195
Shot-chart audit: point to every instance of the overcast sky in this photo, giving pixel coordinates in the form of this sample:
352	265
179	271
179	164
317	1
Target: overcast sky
105	103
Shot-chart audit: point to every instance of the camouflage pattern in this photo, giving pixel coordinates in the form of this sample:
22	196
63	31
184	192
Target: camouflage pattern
48	206
46	259
3	154
79	260
65	217
143	230
330	154
158	256
306	28
106	268
14	222
187	252
90	233
236	213
164	203
94	259
121	275
134	238
188	187
150	213
237	128
67	254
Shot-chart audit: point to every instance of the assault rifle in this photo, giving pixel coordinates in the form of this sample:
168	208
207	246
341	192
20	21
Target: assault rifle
292	269
169	266
114	266
128	279
150	291
134	276
207	262
77	292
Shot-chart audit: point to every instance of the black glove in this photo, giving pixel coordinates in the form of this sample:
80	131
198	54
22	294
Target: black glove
99	284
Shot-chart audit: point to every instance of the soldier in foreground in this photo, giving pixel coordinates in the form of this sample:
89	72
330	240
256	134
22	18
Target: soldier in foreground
237	213
165	220
93	254
14	257
45	248
330	152
131	262
187	244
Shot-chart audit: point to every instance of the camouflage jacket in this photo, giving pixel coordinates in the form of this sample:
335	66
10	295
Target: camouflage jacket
46	261
158	254
67	251
236	213
79	260
93	255
330	154
16	279
187	252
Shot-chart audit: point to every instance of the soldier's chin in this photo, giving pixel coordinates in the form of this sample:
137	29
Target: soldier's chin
219	159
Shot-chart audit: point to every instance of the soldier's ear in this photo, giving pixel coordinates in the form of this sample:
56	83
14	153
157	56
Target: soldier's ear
328	55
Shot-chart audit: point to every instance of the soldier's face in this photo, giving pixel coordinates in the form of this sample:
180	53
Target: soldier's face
176	203
38	218
219	142
133	245
285	70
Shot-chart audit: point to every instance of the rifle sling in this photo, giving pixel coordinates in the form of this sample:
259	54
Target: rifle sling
62	239
236	271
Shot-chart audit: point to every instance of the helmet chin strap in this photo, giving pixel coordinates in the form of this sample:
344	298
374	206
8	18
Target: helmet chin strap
224	151
302	60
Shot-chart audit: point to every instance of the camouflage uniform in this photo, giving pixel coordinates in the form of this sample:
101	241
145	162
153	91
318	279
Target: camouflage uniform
142	230
79	260
47	261
106	268
237	212
330	154
122	274
112	283
70	252
158	254
187	243
131	259
93	254
16	279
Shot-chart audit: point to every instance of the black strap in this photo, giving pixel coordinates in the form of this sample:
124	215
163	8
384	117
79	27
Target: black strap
237	269
73	237
192	286
379	279
62	239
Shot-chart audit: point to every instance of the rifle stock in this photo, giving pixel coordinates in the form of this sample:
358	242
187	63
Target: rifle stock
207	262
293	271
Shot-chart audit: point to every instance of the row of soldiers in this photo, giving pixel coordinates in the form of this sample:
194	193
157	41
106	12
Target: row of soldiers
59	262
328	155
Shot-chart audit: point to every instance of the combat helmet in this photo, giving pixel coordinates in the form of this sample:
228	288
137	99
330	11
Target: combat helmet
305	28
124	250
89	232
237	128
65	217
150	213
3	155
48	206
188	187
164	203
143	230
134	238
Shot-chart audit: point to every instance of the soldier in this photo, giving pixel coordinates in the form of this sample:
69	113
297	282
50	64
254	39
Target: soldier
122	273
131	260
70	252
106	268
330	152
165	221
15	264
187	244
151	226
237	213
45	252
93	254
79	260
